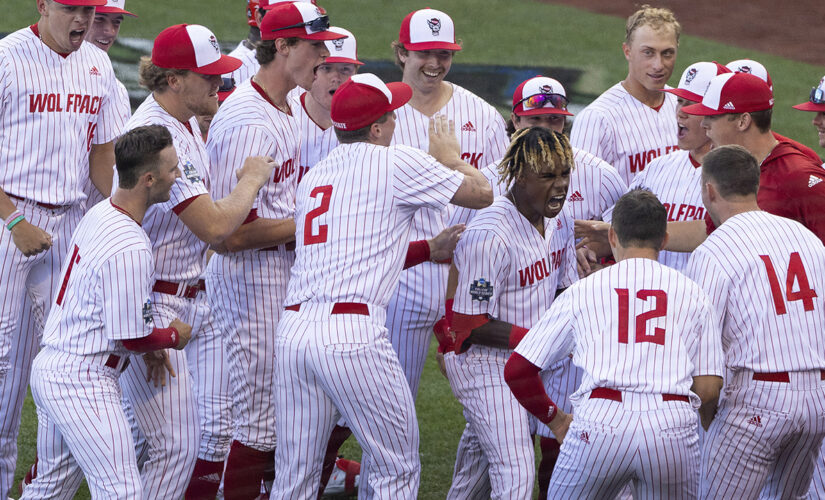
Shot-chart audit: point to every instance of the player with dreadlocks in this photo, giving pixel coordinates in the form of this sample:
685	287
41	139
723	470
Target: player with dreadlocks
511	261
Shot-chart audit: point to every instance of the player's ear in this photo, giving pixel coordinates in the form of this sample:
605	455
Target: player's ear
626	50
744	121
281	46
612	238
173	79
664	241
42	6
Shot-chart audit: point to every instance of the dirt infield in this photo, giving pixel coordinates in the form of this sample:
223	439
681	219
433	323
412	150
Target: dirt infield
794	29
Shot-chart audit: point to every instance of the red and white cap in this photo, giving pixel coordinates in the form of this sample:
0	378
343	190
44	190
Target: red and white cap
816	102
298	20
114	7
268	4
428	29
733	93
753	67
251	8
191	47
695	80
364	98
540	95
342	50
83	3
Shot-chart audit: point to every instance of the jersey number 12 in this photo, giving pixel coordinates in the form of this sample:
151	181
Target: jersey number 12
659	310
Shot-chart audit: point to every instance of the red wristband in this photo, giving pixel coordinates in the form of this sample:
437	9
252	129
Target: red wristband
160	338
448	311
516	334
417	253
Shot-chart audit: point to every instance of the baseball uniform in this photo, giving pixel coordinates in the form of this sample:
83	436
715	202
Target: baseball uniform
249	65
624	132
764	275
333	356
104	298
595	186
52	109
316	142
640	332
510	272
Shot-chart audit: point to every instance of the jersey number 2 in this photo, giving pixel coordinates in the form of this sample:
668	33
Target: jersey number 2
796	272
309	237
75	258
659	310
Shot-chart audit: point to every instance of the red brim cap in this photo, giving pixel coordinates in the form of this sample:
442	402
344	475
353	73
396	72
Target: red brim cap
345	60
684	94
226	64
356	105
519	111
701	110
113	10
432	46
83	3
401	94
810	106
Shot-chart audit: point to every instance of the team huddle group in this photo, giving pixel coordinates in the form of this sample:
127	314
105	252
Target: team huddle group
253	283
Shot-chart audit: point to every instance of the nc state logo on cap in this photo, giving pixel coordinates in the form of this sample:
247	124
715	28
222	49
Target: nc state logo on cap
744	69
546	89
339	44
214	42
435	25
691	75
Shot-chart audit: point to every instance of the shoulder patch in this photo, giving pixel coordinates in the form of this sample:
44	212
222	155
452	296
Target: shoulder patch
481	290
147	312
190	172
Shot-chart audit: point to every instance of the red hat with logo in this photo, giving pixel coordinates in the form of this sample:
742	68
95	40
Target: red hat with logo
268	4
753	67
83	3
816	102
191	47
428	29
114	7
540	95
730	93
251	8
343	50
695	80
299	20
364	98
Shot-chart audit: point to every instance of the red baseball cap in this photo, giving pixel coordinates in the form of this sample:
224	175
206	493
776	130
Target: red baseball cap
297	19
364	98
695	80
428	29
753	67
268	4
251	8
730	93
342	50
83	3
540	95
816	102
191	47
114	7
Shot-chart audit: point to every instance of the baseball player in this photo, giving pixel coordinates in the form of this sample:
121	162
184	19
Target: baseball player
503	288
650	351
816	103
332	334
57	132
250	281
183	83
101	313
633	122
762	273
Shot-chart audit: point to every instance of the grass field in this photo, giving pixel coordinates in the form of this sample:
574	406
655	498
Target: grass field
521	33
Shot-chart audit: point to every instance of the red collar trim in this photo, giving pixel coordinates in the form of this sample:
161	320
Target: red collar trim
36	32
693	161
303	105
657	108
260	90
122	210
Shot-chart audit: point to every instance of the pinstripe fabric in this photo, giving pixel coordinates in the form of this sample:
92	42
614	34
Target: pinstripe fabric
625	133
316	143
249	65
595	186
471	472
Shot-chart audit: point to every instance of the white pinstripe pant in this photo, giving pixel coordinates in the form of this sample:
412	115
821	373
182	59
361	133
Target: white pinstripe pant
82	430
765	435
642	440
329	366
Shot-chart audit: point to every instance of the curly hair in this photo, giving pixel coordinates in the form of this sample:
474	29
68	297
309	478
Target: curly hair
656	18
534	148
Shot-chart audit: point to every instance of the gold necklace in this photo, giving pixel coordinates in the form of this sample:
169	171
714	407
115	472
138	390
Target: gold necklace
280	107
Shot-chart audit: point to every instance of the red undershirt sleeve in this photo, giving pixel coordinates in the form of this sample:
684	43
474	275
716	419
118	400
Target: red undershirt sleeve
523	378
160	338
417	253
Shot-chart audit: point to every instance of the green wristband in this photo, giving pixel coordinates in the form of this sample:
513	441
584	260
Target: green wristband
15	222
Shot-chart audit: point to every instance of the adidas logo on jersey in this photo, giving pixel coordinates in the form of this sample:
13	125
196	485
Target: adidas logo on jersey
468	127
212	478
729	105
94	71
756	420
585	436
813	181
577	196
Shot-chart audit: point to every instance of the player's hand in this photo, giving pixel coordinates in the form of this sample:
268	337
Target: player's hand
30	239
184	332
258	168
157	366
586	262
442	246
560	425
443	142
593	234
439	358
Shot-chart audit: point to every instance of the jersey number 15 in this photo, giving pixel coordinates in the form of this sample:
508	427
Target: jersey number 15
659	310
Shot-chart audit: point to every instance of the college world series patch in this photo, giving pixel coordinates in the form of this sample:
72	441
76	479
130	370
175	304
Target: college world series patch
147	312
481	290
190	172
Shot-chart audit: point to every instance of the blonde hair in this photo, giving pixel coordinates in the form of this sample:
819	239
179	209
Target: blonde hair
535	148
656	18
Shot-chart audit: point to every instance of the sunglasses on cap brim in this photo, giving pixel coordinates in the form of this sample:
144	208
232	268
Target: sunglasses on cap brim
818	95
316	25
536	101
227	84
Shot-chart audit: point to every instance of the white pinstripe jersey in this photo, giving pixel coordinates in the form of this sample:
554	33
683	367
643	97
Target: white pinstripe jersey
506	269
635	326
105	287
625	133
52	109
247	124
353	215
595	186
316	143
249	65
766	277
179	254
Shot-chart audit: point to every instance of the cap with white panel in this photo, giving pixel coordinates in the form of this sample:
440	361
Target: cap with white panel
296	20
540	95
428	29
695	80
114	7
816	102
364	98
342	50
730	93
755	68
191	47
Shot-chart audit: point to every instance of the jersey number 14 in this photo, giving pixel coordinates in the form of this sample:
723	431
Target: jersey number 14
796	273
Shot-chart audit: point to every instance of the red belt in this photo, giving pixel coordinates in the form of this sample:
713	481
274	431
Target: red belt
288	247
779	376
47	206
340	308
113	360
179	289
614	395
